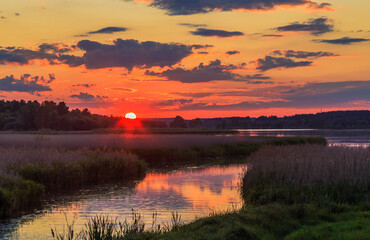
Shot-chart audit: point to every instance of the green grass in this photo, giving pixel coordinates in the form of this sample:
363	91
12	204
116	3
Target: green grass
271	221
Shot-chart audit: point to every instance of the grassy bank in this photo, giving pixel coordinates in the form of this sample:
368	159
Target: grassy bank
28	173
290	192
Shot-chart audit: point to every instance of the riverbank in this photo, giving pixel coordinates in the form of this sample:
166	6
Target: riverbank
28	173
290	192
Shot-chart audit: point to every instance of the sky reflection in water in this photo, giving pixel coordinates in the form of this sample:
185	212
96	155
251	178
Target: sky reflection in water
192	192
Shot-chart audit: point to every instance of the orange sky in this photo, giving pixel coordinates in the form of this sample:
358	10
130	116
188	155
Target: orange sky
166	58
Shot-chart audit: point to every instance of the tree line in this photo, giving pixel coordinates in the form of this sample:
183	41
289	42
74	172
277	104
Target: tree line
32	115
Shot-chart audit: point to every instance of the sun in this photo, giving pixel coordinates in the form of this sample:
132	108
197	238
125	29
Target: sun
130	115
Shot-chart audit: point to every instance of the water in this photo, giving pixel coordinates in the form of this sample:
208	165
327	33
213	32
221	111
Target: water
193	192
346	137
359	137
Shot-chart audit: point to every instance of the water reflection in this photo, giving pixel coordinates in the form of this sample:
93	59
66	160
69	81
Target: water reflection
192	192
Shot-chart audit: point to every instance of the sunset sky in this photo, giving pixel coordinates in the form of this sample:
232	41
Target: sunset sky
194	58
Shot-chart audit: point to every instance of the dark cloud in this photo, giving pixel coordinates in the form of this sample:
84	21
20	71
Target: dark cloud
51	78
86	85
257	77
2	17
205	53
270	62
124	89
84	96
206	32
303	54
109	30
132	53
325	94
198	46
122	53
26	83
215	70
194	95
273	35
181	7
192	25
344	40
232	52
51	52
316	26
173	102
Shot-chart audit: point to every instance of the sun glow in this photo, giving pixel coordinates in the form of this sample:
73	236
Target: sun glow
130	115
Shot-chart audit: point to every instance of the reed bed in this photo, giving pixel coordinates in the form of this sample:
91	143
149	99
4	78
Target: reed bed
296	174
27	173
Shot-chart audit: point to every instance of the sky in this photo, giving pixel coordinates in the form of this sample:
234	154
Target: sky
194	58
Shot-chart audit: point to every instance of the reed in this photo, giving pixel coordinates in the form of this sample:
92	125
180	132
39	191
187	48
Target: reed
26	173
296	174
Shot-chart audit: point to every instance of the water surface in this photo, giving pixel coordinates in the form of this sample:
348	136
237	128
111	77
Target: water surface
192	192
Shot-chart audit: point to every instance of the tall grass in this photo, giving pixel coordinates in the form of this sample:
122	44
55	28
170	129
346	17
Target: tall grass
297	174
103	227
26	173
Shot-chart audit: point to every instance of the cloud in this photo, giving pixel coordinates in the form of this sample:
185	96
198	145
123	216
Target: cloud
270	62
124	89
343	41
181	7
128	54
316	26
26	83
132	53
215	70
194	95
325	94
109	30
173	102
257	77
51	52
86	97
287	59
303	54
232	52
206	32
273	35
86	85
192	25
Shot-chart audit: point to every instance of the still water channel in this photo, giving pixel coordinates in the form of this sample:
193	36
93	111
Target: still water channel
192	192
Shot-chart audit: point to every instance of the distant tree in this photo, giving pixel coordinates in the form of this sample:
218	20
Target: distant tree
178	122
194	123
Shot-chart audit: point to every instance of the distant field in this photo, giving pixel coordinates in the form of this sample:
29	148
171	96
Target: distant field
120	140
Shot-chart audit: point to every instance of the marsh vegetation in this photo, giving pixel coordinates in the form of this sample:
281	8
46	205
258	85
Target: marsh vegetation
290	192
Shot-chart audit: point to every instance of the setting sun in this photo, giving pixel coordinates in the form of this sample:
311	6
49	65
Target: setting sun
130	115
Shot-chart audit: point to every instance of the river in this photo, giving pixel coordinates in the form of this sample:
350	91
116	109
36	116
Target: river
192	192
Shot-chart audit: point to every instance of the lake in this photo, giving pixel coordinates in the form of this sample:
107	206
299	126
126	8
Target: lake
192	192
